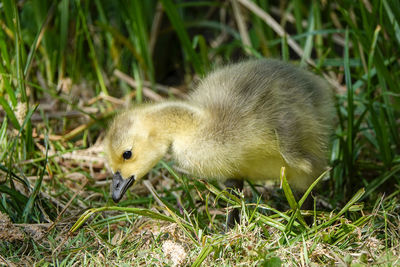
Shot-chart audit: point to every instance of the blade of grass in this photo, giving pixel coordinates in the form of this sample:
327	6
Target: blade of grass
12	174
92	50
311	187
30	203
357	196
17	196
142	37
393	19
224	195
64	21
14	142
139	81
177	218
292	201
18	55
183	36
298	16
180	180
271	222
341	234
350	110
207	210
319	44
200	41
205	251
234	200
284	48
306	56
10	114
144	212
376	116
8	6
376	183
37	40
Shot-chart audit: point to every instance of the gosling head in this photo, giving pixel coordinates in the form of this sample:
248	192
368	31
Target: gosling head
133	146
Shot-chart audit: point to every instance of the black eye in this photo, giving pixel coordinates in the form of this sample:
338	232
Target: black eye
127	154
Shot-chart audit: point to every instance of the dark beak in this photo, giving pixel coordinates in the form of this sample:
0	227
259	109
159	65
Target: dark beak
120	185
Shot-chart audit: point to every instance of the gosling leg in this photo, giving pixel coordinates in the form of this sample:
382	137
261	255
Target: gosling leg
233	185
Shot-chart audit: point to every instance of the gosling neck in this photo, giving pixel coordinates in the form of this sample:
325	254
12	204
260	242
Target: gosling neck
174	120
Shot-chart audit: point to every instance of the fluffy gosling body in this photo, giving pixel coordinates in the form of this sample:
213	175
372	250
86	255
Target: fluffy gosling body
244	121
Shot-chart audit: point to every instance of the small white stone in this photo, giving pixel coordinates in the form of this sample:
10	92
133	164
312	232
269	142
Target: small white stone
175	251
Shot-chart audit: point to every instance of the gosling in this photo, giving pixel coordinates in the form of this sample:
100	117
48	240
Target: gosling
244	121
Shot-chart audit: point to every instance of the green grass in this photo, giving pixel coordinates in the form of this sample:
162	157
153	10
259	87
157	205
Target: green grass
59	87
